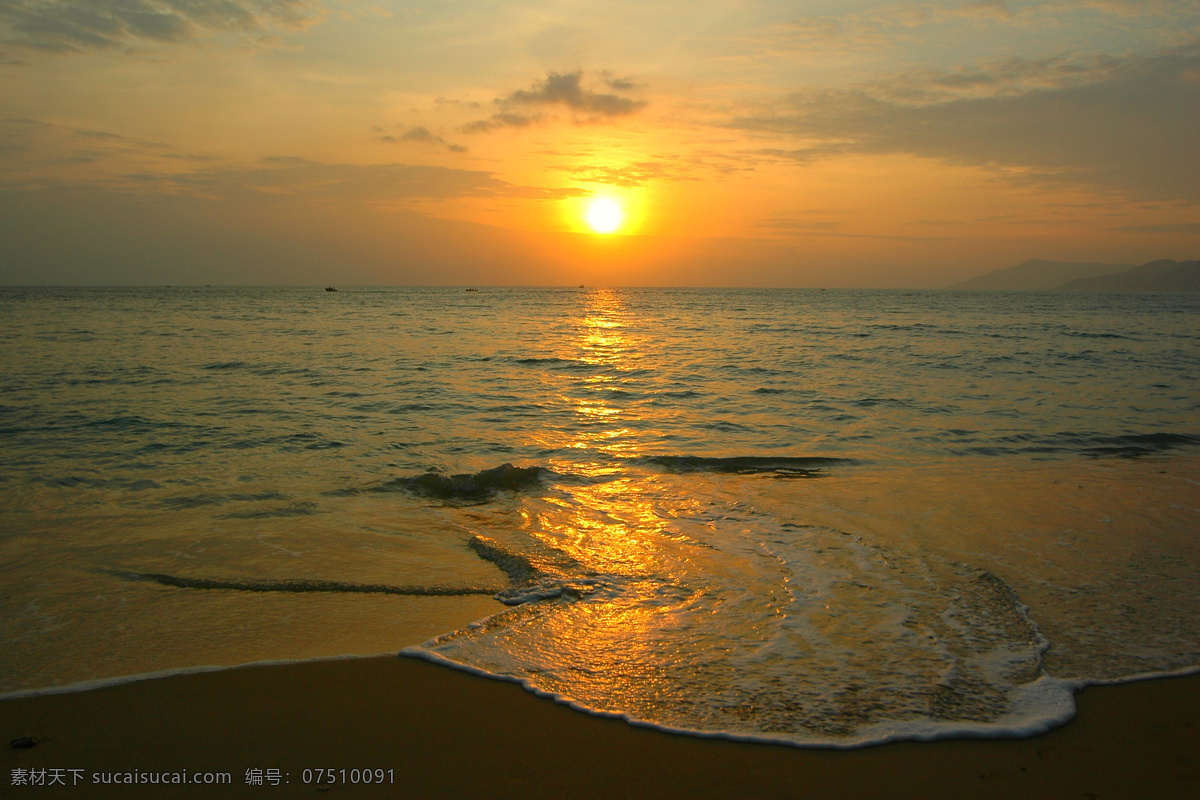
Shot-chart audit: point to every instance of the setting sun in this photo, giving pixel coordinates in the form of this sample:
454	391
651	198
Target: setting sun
604	215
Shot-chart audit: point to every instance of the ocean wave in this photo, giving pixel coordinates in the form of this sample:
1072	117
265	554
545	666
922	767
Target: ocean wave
132	424
292	510
469	486
556	576
547	360
131	484
894	645
301	585
1138	444
1095	445
207	499
744	465
519	569
1087	335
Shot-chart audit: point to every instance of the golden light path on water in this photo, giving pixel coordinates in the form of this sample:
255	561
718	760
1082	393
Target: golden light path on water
668	598
602	342
612	526
607	525
666	603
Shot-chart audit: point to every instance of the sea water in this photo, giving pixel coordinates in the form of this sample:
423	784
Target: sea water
820	517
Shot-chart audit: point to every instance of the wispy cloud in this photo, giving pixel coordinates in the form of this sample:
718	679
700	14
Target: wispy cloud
806	226
421	135
48	156
890	25
524	107
77	25
830	230
882	25
1170	227
627	176
298	178
1120	124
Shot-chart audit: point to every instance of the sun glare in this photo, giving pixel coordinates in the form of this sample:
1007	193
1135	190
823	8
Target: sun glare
604	215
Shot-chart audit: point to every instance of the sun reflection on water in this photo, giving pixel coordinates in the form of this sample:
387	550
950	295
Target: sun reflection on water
603	345
607	522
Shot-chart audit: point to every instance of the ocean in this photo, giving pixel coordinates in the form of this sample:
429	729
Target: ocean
825	518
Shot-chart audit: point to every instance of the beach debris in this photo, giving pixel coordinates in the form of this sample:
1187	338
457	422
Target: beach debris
23	741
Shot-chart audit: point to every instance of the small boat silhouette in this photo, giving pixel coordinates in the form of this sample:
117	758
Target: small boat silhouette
330	289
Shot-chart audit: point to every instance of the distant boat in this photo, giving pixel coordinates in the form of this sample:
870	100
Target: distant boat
472	290
330	289
581	286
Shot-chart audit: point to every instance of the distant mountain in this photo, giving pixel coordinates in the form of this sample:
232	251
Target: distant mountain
1038	275
1157	276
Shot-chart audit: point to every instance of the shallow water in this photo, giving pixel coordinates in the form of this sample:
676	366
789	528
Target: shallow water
822	517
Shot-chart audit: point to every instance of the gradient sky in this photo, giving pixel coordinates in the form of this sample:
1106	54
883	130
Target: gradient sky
806	143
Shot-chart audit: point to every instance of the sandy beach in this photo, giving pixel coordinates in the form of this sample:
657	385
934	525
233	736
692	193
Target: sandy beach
437	732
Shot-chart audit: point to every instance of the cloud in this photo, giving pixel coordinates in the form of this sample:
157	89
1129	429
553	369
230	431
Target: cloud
502	119
422	135
824	228
789	225
1171	227
622	84
1120	124
881	26
39	149
561	90
566	89
457	102
891	25
1127	8
628	176
804	155
77	25
297	178
47	156
116	143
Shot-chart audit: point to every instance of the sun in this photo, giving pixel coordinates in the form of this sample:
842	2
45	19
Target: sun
604	215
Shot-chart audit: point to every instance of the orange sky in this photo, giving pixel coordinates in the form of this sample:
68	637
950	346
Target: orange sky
751	143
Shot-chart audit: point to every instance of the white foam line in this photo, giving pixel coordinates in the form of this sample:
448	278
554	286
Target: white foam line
1022	727
921	731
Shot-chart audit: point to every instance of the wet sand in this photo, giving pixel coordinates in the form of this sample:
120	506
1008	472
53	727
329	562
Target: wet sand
439	733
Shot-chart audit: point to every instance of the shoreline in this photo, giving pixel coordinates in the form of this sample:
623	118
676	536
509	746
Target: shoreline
446	733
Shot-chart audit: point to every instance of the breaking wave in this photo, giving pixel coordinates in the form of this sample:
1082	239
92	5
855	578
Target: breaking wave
758	629
468	486
300	585
742	465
